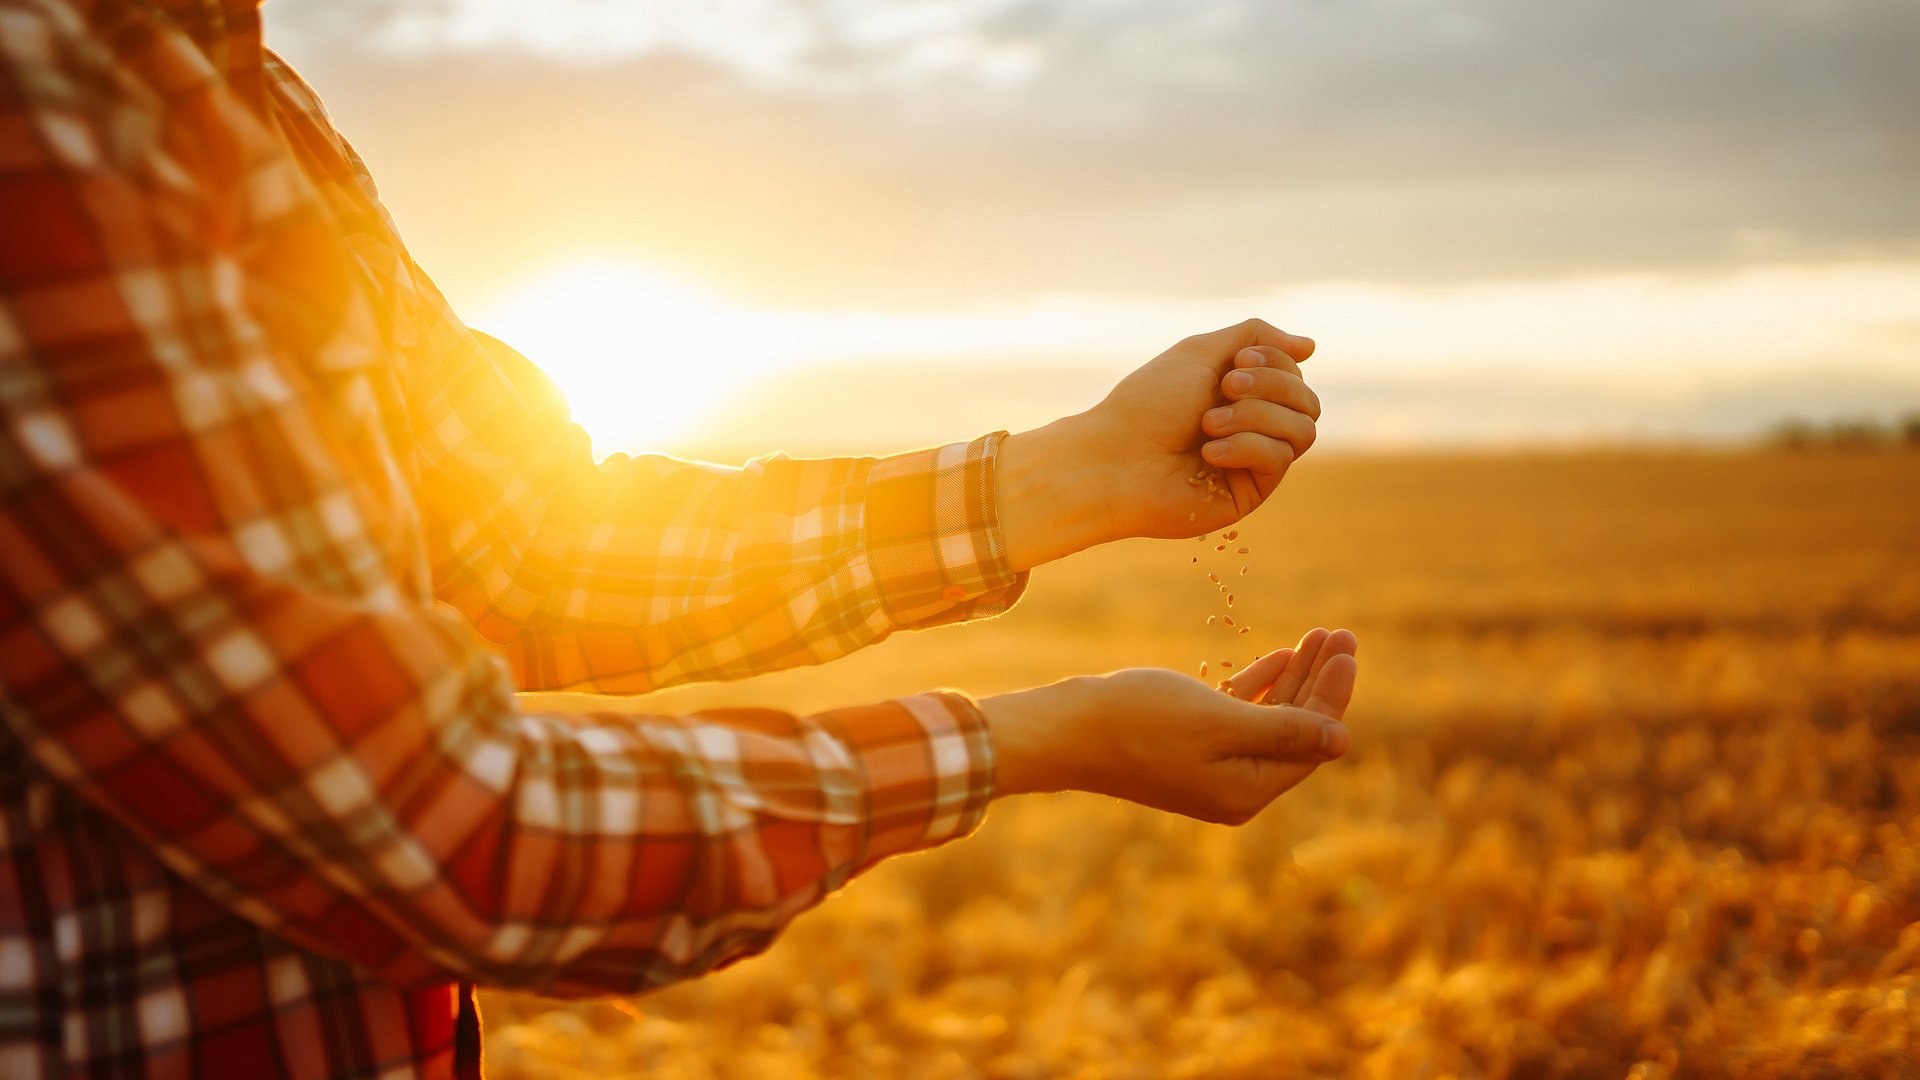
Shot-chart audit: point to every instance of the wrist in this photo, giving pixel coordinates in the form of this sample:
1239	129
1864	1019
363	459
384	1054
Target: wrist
1035	735
1051	490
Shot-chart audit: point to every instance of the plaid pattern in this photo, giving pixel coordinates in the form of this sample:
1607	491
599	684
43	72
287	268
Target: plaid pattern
279	539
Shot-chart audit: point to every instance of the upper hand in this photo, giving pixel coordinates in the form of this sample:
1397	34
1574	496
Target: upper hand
1231	401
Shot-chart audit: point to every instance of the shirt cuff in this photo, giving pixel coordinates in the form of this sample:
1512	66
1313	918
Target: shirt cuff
927	764
933	539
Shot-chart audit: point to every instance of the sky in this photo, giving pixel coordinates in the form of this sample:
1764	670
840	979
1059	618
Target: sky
1504	221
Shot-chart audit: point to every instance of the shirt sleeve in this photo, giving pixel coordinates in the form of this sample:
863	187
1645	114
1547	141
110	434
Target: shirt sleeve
636	573
213	628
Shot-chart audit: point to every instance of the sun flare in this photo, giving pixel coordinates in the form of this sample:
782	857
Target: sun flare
640	355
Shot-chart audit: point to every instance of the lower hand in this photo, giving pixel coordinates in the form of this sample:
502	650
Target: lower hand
1231	403
1170	742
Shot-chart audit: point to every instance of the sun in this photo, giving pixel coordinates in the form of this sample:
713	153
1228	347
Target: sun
642	357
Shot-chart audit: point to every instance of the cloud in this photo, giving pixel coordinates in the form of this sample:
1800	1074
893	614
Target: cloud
922	152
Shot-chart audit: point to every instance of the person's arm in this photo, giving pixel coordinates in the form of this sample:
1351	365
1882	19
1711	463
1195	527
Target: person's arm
636	573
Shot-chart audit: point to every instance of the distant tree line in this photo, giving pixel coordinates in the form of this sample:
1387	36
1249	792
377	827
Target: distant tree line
1797	433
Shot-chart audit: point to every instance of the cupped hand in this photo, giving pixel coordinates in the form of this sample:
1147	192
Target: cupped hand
1317	675
1170	742
1226	409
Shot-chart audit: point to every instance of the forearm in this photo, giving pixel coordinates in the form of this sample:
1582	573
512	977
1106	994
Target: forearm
440	833
637	574
730	824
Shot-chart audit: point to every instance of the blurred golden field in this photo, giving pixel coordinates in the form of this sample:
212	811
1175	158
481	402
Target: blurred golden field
1635	792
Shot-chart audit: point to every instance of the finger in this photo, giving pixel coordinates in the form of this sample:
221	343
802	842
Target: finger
1289	734
1249	490
1286	689
1229	339
1332	688
1267	458
1271	384
1339	642
1293	427
1257	357
1251	681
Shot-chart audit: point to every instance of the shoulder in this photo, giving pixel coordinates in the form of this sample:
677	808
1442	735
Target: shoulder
306	116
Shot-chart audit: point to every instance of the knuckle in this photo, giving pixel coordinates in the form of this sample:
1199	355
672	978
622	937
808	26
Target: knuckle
1300	395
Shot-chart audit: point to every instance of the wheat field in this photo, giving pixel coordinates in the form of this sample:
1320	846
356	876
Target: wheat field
1635	792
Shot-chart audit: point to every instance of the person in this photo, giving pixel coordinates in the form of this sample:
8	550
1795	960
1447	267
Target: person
280	538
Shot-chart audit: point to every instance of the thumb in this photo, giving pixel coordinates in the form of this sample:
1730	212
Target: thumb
1286	733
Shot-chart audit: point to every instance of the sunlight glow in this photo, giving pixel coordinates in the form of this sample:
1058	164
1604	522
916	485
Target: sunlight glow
649	362
640	356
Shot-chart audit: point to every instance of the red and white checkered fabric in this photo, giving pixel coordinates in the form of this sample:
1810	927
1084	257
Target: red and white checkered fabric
280	538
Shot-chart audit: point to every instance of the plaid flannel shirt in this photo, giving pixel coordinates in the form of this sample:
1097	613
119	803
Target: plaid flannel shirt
280	538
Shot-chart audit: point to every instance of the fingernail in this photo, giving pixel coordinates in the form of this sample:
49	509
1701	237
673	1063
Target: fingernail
1239	382
1213	450
1253	356
1219	416
1334	739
